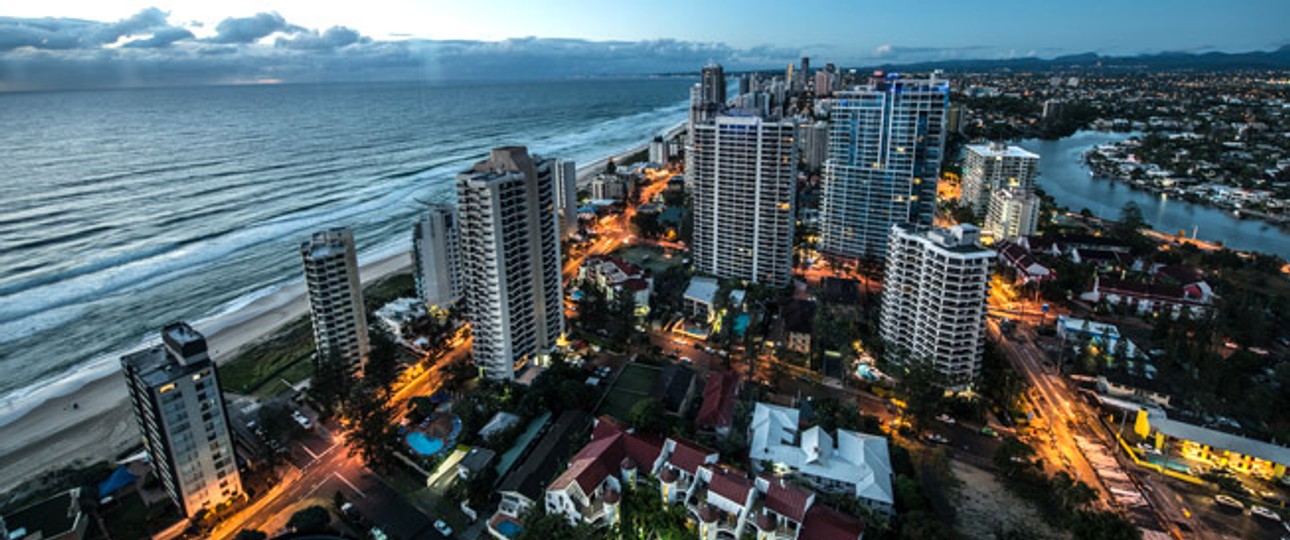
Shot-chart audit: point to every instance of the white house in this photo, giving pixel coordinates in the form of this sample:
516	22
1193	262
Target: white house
848	462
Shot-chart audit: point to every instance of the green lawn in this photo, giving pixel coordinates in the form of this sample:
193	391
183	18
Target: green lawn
267	360
632	386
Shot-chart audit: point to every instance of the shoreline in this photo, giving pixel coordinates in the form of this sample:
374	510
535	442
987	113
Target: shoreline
92	421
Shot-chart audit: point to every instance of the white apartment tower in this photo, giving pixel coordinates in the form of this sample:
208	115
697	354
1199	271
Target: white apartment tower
510	257
995	166
743	175
175	393
1012	213
336	298
566	195
886	142
934	298
435	258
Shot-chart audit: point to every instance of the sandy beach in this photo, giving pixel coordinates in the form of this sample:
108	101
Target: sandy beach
54	434
101	426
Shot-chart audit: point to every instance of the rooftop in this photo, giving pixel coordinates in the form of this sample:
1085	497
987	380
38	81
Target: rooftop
718	409
49	518
997	150
799	316
849	457
540	466
702	289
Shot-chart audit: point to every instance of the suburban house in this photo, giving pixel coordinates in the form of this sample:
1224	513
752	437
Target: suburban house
845	462
701	298
799	323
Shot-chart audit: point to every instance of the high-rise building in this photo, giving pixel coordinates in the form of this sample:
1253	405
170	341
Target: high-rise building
934	298
566	195
436	260
954	118
993	166
813	140
886	142
1054	108
511	260
1012	213
658	151
175	393
743	181
336	299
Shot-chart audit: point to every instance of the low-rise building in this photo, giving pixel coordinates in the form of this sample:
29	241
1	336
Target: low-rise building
701	297
590	489
56	518
1106	336
846	462
1144	298
717	413
398	314
1207	447
799	324
1026	268
613	277
524	485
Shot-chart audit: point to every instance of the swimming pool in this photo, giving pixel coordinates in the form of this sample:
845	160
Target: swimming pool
424	445
509	529
741	324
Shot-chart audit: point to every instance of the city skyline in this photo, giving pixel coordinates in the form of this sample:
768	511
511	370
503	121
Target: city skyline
128	44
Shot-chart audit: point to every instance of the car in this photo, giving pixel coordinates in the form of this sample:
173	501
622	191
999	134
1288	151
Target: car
935	438
1264	512
301	419
686	360
1229	502
946	418
442	527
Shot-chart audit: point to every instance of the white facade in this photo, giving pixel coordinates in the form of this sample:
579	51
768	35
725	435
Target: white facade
991	167
336	298
813	140
435	258
1011	214
660	151
566	195
886	142
934	298
848	462
510	259
175	393
743	177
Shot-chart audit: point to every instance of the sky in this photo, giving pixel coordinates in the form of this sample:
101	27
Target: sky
87	43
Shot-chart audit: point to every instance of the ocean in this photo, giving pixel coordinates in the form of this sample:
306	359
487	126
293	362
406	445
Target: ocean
124	210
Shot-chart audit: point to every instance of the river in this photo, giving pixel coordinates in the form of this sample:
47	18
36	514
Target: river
1063	175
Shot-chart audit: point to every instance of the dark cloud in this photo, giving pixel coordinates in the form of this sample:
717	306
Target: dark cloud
251	29
64	34
334	38
161	38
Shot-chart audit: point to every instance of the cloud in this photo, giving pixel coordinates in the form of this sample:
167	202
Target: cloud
51	33
334	38
161	38
251	29
888	52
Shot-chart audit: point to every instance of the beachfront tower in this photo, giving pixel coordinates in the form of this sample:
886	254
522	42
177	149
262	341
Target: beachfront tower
566	195
510	255
336	298
175	393
435	259
708	97
933	298
886	141
743	173
995	166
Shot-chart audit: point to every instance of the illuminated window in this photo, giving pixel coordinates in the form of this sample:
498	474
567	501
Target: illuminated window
166	388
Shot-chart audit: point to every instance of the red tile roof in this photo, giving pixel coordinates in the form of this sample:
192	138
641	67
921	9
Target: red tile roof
610	445
824	523
718	408
788	500
688	456
731	484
